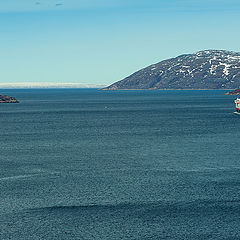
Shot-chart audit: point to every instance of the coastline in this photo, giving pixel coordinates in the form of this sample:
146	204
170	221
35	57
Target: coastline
166	89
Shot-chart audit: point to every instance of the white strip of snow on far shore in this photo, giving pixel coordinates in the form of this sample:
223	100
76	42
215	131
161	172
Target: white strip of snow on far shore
48	85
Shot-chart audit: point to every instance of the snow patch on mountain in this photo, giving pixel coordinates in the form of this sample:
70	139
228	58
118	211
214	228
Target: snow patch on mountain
208	69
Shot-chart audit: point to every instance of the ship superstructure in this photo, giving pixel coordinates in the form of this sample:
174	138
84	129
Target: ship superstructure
237	102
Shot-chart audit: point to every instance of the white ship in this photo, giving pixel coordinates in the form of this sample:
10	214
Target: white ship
237	102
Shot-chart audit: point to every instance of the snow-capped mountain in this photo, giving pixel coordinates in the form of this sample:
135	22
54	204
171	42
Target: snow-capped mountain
209	69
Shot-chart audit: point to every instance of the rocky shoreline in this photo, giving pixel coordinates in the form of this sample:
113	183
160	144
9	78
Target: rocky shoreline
235	92
8	99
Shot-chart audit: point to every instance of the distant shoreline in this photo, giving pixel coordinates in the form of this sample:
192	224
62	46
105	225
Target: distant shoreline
166	89
48	85
102	89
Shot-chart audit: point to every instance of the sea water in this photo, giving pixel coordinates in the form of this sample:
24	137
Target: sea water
90	164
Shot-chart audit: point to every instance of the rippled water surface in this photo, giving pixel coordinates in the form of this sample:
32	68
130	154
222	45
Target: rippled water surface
88	164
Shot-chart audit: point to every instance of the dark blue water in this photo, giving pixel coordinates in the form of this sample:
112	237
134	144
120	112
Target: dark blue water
88	164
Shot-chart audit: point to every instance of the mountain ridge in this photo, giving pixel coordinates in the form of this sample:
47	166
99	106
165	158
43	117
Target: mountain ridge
207	69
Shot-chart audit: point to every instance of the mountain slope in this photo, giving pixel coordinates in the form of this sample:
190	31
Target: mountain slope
209	69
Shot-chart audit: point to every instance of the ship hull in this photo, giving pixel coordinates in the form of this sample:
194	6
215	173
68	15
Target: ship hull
237	102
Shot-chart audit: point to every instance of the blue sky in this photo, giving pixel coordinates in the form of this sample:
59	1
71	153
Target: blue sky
103	41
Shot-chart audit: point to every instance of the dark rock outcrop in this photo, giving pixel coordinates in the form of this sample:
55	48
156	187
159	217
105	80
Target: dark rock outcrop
209	69
235	92
7	99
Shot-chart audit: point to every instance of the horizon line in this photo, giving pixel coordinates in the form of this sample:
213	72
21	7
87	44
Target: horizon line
49	85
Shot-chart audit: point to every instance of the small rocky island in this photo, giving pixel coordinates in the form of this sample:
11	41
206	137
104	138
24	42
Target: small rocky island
7	99
235	92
